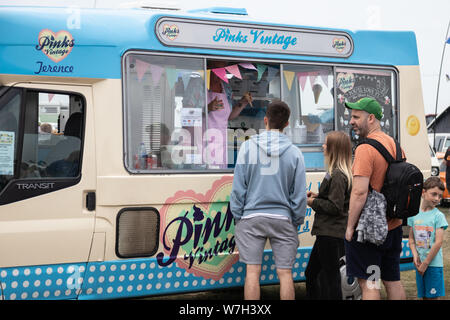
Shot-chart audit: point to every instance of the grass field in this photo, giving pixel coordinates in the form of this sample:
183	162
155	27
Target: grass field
271	292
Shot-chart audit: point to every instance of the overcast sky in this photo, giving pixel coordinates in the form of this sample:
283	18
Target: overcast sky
428	19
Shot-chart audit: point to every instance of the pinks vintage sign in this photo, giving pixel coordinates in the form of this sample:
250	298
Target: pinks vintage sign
198	231
55	46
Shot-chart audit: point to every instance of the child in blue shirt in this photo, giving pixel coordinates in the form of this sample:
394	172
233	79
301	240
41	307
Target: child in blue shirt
425	240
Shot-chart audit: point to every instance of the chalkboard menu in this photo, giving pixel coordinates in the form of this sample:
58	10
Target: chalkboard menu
354	84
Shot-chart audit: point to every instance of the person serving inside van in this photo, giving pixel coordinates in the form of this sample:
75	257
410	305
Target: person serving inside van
220	111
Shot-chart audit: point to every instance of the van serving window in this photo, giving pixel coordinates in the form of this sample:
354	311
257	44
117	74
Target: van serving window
188	114
353	84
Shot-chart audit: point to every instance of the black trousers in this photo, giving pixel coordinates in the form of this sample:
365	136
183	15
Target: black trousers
323	278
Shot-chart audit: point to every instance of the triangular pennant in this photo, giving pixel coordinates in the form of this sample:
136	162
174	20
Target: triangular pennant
171	75
312	77
324	76
156	72
289	77
221	73
271	73
302	77
50	97
247	65
186	76
261	69
208	78
234	70
141	68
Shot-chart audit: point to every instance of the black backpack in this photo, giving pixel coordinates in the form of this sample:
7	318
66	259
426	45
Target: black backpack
403	183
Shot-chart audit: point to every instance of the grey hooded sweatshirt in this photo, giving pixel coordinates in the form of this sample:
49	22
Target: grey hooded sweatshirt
269	178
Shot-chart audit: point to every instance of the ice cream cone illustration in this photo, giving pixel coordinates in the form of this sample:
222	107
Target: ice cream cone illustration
317	89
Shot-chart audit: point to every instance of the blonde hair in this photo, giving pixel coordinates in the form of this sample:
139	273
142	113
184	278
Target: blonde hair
339	154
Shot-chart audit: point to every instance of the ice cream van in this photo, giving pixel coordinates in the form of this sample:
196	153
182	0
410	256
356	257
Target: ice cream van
109	187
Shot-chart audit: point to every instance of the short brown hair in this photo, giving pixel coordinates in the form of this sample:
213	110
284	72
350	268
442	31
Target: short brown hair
432	182
278	114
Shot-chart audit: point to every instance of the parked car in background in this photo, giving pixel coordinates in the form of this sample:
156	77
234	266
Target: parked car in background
434	163
441	144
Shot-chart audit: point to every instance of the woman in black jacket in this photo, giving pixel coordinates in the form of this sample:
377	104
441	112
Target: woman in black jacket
322	274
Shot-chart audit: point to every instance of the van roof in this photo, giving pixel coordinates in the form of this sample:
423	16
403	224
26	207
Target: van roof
102	36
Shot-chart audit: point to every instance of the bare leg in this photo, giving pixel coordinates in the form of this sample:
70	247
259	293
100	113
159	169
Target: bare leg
251	287
394	290
370	289
287	291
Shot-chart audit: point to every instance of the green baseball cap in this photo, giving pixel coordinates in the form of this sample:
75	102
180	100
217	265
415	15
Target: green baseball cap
367	104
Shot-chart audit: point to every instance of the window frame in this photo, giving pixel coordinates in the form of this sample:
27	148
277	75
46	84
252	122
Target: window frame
10	192
281	62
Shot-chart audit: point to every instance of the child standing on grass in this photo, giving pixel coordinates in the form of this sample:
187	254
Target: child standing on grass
425	240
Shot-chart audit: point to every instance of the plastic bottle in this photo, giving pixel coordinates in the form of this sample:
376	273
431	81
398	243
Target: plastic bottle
296	137
143	156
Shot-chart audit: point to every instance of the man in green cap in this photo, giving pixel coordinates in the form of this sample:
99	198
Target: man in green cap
366	261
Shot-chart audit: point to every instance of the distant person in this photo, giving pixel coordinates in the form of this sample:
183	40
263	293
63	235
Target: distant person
425	240
268	201
46	128
366	261
323	280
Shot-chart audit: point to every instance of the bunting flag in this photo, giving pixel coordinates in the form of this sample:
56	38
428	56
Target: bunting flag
50	97
141	68
324	76
186	76
156	72
448	40
208	78
302	77
289	77
221	73
247	65
261	69
312	77
234	70
171	74
271	73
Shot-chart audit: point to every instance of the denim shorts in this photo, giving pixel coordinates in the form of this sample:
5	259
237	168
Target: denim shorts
366	260
251	235
431	284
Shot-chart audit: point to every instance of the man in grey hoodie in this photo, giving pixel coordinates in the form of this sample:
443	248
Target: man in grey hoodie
268	201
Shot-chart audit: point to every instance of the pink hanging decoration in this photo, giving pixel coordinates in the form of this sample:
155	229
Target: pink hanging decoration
50	97
141	68
156	73
302	77
312	77
247	65
234	70
324	76
221	73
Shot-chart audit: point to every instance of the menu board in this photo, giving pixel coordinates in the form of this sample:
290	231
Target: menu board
353	85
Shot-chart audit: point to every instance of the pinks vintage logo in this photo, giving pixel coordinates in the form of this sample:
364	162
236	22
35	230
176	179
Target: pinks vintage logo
199	231
170	31
339	44
56	46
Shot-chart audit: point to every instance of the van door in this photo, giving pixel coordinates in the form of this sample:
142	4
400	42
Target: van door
47	189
